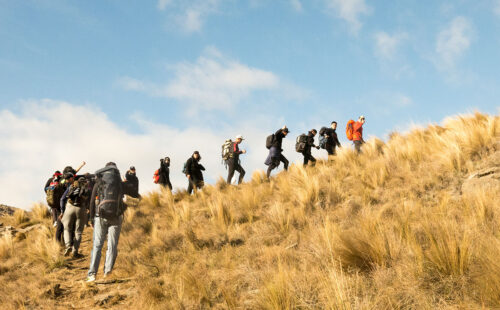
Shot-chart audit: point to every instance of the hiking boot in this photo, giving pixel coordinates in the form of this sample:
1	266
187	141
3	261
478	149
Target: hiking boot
77	255
90	278
67	251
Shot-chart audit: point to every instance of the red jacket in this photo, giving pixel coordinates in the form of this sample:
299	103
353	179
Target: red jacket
357	132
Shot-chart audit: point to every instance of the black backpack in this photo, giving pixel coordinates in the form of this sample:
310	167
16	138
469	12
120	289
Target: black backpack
269	141
322	131
79	193
301	143
110	193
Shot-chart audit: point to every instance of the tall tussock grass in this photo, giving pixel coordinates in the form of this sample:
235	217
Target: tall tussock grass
390	228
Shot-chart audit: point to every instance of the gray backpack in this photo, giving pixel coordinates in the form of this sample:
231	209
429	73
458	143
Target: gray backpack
110	193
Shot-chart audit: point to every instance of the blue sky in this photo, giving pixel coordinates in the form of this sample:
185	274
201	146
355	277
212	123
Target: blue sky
199	71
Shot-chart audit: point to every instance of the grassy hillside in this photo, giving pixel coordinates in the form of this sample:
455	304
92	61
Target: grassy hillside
412	223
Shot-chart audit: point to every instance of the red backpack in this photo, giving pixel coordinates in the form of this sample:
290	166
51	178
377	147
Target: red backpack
156	176
349	130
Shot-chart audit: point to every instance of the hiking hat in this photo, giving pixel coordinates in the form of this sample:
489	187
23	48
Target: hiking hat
239	137
57	173
362	117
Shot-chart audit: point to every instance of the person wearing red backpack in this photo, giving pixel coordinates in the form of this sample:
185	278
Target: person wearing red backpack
357	133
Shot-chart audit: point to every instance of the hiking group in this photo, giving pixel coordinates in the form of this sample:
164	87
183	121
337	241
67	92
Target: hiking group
97	200
93	200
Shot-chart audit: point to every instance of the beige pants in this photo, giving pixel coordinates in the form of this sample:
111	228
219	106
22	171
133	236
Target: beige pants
74	220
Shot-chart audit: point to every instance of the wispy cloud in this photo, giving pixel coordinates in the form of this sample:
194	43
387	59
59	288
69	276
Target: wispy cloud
32	140
212	82
350	11
296	5
386	45
452	42
496	7
189	16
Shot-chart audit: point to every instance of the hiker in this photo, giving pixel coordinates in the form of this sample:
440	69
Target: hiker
357	134
132	180
274	143
69	169
54	189
307	148
331	139
74	213
233	162
164	173
193	170
106	212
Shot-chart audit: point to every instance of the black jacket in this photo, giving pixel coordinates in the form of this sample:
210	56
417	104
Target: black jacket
133	180
164	173
194	168
332	139
309	143
278	139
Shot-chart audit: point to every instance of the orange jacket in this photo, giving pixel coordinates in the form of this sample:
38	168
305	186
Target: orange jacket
357	131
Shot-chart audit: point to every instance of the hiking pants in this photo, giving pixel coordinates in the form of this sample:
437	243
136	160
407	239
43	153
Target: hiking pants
74	220
234	165
55	214
357	145
105	228
194	183
309	158
330	148
275	162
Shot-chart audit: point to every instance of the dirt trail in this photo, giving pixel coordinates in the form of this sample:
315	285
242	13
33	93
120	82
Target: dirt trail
68	288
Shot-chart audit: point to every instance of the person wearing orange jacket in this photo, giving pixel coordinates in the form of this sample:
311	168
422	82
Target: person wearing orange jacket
357	134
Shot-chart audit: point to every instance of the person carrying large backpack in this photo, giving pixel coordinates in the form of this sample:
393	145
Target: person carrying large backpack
233	159
164	173
354	132
54	189
193	170
106	212
331	139
274	144
308	144
74	213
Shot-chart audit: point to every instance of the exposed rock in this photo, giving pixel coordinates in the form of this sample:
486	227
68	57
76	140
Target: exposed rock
487	179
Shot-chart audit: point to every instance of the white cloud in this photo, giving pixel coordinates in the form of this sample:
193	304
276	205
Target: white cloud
162	4
189	16
47	135
386	45
350	11
214	82
496	8
453	41
296	5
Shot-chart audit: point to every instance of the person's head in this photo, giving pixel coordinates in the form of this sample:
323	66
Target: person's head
69	169
69	177
239	139
314	131
57	174
285	131
334	125
166	159
110	164
362	119
196	155
132	169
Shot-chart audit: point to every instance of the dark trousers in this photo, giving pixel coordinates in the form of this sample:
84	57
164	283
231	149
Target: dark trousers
309	158
357	145
194	184
275	162
330	148
232	166
167	184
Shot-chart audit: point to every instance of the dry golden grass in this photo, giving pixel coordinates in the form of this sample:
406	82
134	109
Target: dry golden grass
388	229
